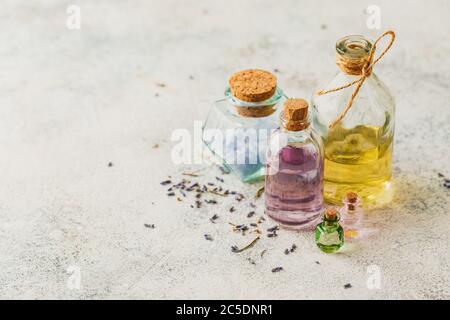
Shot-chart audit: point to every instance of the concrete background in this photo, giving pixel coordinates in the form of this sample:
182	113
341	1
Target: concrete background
71	101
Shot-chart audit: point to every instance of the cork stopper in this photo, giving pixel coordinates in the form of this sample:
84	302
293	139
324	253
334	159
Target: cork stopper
352	197
253	85
331	214
295	114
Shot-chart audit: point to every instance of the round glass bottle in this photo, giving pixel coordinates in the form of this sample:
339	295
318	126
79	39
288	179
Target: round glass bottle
358	148
329	233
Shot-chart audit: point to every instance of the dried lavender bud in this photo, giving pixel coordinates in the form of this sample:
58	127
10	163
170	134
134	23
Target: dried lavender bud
250	214
293	247
275	228
440	175
198	195
253	225
252	205
110	164
234	249
272	235
259	192
214	218
286	251
277	269
163	183
219	179
347	286
232	209
241	227
223	170
227	192
211	201
171	194
150	226
317	262
210	184
198	204
192	187
233	192
208	237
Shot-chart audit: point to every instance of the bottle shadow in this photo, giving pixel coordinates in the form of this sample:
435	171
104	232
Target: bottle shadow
413	198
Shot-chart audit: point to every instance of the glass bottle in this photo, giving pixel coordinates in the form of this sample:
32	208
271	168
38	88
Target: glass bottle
238	126
294	170
329	233
352	216
358	148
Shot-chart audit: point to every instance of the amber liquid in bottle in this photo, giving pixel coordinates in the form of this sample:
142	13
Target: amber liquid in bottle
358	160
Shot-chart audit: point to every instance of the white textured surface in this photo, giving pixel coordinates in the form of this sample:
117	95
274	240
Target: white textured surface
72	101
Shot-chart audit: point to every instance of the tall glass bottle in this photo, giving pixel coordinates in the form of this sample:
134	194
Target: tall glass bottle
294	170
358	148
238	126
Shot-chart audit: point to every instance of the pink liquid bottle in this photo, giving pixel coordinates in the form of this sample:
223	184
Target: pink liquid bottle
294	170
352	217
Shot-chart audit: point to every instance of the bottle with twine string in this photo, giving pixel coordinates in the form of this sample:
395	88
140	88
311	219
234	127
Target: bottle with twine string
239	125
355	116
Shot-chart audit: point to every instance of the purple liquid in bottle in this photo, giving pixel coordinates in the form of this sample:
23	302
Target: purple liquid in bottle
294	186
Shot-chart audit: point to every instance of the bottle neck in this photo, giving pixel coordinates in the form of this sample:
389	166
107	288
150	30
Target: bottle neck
299	135
353	55
331	221
255	109
330	224
350	210
294	127
351	207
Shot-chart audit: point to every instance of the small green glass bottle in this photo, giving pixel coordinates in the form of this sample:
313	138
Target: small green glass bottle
329	233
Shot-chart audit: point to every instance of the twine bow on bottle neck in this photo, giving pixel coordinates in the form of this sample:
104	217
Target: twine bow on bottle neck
358	67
